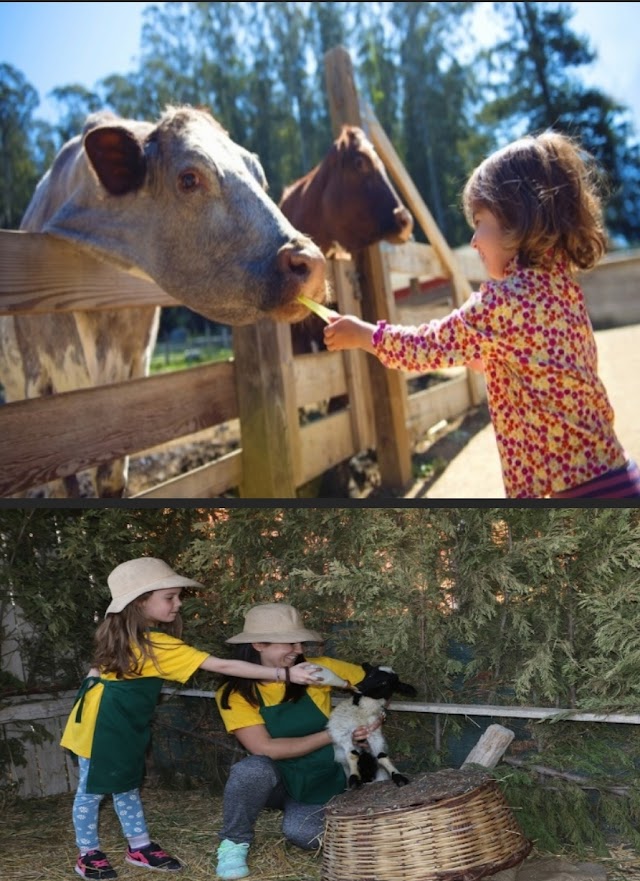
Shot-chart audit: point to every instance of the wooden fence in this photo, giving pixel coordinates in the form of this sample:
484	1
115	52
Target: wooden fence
265	387
37	724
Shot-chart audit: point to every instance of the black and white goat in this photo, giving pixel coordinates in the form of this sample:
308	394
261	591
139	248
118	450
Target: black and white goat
369	762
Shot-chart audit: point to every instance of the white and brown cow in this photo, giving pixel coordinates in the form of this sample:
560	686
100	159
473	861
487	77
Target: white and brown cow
175	201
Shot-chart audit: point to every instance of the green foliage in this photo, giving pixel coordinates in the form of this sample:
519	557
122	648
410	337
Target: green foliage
163	362
259	67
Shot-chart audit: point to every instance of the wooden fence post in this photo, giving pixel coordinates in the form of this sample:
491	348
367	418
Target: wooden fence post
267	409
388	387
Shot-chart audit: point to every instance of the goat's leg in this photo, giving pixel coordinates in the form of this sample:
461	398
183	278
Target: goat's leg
353	780
385	762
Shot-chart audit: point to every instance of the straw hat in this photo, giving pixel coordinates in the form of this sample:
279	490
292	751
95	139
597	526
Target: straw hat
131	579
274	622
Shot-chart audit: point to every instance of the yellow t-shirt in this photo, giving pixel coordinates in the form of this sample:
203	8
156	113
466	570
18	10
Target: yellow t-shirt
174	660
241	714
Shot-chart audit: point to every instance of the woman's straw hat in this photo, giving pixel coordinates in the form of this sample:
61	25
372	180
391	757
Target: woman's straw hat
274	622
131	579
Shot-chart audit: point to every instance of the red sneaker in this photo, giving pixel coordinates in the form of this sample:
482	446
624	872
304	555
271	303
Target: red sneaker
94	866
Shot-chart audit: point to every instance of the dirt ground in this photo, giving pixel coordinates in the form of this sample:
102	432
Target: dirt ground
37	844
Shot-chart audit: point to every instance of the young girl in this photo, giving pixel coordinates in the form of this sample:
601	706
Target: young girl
537	217
137	648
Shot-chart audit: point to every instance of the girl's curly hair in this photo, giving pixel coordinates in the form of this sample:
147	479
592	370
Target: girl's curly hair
546	193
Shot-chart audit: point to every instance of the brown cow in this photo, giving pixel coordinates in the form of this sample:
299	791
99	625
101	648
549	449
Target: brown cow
178	202
348	201
348	198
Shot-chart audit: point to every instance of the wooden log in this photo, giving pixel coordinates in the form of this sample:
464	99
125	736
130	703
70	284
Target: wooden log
582	782
490	748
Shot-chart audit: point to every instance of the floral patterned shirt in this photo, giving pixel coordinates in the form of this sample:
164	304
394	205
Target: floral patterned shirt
550	412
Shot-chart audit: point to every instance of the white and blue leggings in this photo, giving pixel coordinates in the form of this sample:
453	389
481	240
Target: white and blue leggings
127	805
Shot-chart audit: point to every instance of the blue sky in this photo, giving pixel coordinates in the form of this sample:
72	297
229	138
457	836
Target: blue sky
56	44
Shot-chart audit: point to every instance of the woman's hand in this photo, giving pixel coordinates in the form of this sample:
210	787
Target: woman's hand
348	332
361	734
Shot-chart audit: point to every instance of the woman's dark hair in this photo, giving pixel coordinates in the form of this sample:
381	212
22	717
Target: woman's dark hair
546	193
248	688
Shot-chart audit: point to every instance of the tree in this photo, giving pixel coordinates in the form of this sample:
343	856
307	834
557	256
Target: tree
435	95
19	171
535	88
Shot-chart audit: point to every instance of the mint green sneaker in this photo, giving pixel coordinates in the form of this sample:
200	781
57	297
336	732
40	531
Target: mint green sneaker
232	860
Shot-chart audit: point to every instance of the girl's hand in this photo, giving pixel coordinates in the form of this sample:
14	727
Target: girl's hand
324	676
304	673
348	332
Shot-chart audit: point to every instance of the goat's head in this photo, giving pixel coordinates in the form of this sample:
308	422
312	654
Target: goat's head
380	683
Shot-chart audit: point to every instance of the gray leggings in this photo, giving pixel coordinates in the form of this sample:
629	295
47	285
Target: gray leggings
255	784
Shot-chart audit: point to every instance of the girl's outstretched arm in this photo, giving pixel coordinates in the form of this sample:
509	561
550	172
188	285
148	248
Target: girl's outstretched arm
302	674
349	332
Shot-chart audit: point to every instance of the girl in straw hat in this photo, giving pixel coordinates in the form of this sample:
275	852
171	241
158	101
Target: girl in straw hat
137	648
282	725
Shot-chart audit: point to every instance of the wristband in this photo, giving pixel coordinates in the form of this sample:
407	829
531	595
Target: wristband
277	674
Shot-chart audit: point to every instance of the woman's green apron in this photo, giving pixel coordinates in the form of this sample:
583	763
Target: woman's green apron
312	779
122	733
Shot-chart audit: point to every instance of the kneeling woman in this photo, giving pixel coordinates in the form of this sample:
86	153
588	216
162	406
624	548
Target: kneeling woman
282	726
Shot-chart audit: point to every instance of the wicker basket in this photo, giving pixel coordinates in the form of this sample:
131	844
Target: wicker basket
456	827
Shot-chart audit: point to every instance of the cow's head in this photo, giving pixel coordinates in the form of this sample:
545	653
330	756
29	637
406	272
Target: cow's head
183	204
359	196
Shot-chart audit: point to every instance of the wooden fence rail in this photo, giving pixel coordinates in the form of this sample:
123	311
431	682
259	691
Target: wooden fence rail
46	438
49	770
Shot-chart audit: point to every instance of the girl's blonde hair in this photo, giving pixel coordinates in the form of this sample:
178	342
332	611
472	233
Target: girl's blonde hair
123	641
546	194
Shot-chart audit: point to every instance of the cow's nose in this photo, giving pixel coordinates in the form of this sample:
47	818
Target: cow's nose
404	219
304	264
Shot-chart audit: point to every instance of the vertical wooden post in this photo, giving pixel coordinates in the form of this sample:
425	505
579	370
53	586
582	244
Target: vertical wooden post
408	190
356	366
267	409
389	388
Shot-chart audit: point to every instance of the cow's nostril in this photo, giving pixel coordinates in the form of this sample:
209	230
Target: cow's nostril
298	263
301	261
403	217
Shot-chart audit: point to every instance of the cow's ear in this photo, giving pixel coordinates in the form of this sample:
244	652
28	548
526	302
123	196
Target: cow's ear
117	158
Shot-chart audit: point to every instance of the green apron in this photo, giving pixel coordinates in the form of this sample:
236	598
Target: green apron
312	779
122	733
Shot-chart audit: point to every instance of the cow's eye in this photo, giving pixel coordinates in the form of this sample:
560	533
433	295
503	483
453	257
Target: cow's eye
362	164
189	181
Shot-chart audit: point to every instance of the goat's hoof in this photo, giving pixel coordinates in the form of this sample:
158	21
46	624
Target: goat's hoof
399	779
354	782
